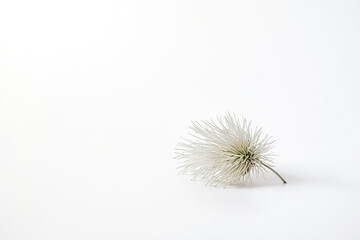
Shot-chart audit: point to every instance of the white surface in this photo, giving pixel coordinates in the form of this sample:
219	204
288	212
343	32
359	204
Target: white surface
94	96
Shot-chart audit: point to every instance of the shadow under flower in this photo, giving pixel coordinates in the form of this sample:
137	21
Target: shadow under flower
270	181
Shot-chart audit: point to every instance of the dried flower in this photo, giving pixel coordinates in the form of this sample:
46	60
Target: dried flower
226	152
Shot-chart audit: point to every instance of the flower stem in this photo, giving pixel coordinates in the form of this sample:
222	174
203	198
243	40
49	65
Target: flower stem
274	172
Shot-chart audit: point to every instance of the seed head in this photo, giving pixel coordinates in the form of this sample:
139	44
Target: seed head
225	152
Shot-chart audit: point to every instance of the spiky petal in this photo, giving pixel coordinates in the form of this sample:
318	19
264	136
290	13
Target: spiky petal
226	151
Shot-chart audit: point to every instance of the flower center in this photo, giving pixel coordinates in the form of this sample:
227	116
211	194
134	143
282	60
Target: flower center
248	161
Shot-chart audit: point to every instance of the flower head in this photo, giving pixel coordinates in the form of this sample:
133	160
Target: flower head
225	152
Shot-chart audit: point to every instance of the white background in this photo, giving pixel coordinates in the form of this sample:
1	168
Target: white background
95	95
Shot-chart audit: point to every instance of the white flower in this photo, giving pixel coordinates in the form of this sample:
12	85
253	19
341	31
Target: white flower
225	152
